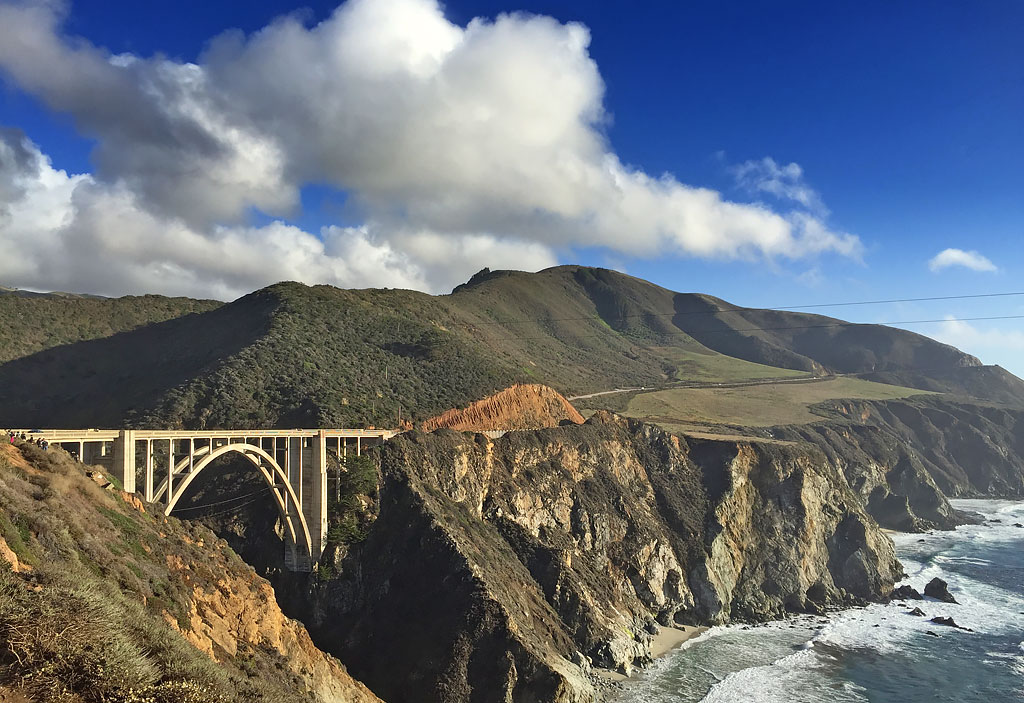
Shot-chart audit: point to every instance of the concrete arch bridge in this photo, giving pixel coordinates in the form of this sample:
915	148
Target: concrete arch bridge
159	465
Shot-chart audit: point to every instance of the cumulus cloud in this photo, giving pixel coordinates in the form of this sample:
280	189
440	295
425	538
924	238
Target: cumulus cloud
456	146
91	236
964	335
782	181
958	257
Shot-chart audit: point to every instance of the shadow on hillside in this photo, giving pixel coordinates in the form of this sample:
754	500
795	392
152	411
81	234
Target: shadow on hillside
730	333
105	382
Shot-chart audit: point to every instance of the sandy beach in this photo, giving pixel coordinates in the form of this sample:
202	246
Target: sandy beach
667	639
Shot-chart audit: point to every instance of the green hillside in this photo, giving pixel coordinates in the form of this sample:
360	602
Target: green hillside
34	322
293	355
103	601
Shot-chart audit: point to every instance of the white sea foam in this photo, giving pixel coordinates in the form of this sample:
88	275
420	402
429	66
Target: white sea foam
730	664
796	678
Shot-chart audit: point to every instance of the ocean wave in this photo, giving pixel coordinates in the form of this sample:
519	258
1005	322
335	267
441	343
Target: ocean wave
802	659
802	676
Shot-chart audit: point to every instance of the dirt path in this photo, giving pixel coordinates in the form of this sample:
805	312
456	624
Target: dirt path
709	384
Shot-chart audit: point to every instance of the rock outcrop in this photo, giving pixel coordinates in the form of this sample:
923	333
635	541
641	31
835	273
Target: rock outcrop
939	590
520	407
499	570
905	456
884	469
906	592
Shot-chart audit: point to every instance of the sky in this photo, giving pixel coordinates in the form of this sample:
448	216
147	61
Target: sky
776	153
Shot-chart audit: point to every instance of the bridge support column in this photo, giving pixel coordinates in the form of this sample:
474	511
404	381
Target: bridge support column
124	460
298	473
89	452
314	503
148	489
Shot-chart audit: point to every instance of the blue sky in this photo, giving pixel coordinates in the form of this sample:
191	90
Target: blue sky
903	123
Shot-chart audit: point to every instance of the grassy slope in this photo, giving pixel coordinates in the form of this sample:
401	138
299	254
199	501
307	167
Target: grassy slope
294	355
95	609
712	367
806	341
753	406
32	324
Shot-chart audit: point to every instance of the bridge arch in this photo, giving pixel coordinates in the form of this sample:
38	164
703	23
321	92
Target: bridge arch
297	535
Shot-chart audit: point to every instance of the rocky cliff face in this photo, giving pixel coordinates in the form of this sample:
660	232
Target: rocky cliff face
498	570
969	449
520	407
905	456
885	470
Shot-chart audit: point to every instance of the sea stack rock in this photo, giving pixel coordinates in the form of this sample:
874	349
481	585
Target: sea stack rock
938	589
916	612
949	622
906	592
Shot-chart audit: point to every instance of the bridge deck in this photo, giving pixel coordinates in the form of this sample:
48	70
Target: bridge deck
93	435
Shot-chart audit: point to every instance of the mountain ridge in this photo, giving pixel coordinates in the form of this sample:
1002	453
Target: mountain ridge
319	355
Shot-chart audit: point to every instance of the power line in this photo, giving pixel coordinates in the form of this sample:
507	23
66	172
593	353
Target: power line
896	300
231	509
740	308
222	502
871	324
790	327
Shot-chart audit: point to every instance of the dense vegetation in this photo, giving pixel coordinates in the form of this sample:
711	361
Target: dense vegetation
32	324
292	355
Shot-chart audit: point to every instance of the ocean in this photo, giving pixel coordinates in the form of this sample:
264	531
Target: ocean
878	653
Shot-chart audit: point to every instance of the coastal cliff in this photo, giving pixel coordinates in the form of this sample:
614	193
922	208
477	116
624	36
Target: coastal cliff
501	570
906	456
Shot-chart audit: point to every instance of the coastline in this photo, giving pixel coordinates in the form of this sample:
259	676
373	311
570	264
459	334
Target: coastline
667	640
880	651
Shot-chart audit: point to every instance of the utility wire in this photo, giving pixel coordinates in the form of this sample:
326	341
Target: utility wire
231	509
896	300
740	308
777	329
222	502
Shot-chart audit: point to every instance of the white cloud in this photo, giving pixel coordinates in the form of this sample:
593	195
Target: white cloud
457	146
785	182
964	335
94	237
958	257
812	277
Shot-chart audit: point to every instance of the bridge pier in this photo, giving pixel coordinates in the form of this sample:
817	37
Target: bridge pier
316	514
306	467
124	460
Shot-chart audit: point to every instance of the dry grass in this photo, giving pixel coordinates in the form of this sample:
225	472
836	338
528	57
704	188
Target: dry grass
712	367
753	406
88	622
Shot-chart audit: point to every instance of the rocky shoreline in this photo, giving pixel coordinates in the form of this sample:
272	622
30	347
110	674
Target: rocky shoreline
960	602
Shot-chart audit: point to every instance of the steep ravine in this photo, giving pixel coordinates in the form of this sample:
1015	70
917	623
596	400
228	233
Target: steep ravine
498	570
